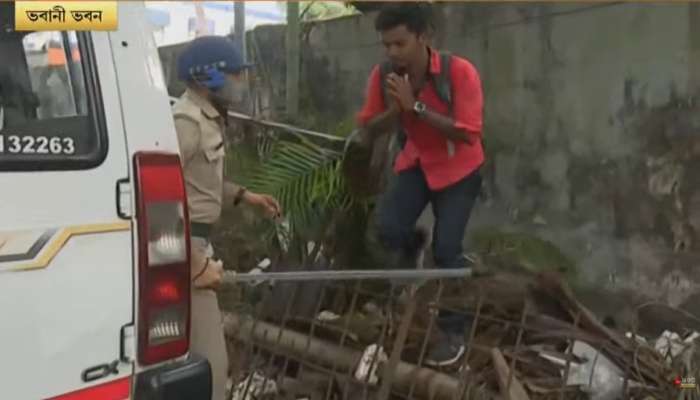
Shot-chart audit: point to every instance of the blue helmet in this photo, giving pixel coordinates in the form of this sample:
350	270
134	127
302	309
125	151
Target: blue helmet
206	59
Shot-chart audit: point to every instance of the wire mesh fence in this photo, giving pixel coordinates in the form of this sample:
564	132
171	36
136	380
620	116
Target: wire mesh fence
428	334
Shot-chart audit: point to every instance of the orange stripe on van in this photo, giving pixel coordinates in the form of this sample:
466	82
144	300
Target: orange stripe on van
64	235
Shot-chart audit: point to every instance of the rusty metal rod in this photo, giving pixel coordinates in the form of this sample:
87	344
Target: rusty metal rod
397	348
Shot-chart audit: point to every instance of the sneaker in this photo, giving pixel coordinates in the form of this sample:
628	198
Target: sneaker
446	352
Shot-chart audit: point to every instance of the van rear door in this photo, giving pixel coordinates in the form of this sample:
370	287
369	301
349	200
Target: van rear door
66	269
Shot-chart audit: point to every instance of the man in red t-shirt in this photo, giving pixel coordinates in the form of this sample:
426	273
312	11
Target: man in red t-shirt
441	154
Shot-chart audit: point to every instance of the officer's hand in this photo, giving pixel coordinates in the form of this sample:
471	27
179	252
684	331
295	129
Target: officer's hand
210	274
268	203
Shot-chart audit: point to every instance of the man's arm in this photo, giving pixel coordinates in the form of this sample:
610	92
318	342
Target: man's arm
465	125
375	118
448	127
467	105
232	192
384	122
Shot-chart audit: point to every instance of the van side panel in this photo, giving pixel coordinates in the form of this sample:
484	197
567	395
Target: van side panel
67	284
146	108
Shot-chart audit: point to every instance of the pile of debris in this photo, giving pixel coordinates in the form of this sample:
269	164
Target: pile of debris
530	339
554	346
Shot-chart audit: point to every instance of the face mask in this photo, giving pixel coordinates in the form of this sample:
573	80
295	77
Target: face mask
231	94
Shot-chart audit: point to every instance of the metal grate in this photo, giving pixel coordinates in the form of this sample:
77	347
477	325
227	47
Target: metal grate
317	335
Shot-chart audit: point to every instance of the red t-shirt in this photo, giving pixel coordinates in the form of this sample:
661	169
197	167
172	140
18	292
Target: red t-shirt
444	162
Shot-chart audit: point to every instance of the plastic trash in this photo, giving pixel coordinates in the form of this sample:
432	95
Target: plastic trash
596	375
671	345
259	269
255	386
327	316
369	363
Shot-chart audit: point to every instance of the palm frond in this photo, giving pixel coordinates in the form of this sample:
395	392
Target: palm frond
265	144
304	177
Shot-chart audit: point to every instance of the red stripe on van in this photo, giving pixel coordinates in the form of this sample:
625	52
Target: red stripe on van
116	390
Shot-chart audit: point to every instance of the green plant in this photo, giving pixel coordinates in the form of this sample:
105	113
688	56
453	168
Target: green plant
307	180
521	250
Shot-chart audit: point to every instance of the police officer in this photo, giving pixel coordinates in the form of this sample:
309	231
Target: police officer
214	72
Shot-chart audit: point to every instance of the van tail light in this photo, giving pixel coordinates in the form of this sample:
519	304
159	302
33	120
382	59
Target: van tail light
164	258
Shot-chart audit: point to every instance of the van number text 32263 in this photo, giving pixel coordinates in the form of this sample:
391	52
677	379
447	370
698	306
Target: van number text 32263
15	144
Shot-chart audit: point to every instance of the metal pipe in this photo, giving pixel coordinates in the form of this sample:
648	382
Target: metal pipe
231	277
282	126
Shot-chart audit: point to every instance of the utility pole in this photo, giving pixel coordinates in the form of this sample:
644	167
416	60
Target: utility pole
239	26
200	21
293	58
694	55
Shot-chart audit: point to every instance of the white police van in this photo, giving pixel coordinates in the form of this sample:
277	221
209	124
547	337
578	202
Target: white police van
94	232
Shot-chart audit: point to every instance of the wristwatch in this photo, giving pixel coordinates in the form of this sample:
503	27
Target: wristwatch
419	108
239	195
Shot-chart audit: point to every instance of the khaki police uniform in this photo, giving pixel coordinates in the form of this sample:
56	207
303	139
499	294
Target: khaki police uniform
200	129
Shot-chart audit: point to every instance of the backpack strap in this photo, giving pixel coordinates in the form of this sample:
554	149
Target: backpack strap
443	88
443	81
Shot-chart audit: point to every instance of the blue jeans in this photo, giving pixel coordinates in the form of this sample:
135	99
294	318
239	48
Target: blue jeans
401	206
